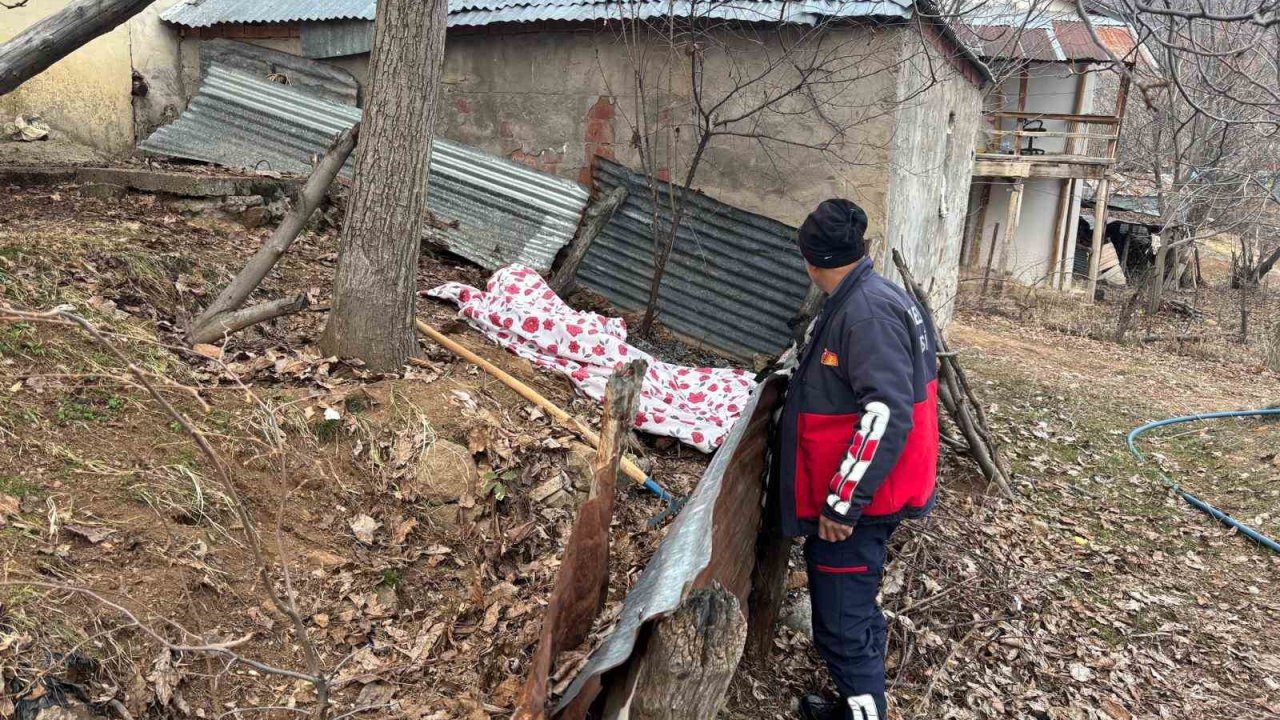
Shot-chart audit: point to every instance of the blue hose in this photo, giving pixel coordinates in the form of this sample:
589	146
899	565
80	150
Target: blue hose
1249	532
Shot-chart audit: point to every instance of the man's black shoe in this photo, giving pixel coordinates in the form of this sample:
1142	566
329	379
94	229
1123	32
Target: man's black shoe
816	707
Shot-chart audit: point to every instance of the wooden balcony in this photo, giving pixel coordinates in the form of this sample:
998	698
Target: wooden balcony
1021	162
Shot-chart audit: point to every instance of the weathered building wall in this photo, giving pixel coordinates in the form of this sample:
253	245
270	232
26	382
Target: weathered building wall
930	170
1051	88
86	96
157	63
553	99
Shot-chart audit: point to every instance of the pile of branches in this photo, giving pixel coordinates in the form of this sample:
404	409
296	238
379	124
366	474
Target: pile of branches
957	396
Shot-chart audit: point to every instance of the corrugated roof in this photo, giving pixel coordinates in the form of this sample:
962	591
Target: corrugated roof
808	12
323	80
733	280
1041	34
462	13
505	212
204	13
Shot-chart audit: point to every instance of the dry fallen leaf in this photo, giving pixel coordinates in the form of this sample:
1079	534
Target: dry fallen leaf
1115	710
213	352
94	535
364	527
401	533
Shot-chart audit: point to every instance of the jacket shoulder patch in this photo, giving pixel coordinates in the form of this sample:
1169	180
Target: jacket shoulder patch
830	359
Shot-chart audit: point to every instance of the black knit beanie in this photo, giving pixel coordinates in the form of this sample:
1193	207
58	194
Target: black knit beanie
833	235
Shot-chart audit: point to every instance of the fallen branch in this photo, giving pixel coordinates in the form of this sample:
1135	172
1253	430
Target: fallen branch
223	324
46	42
957	396
597	217
221	318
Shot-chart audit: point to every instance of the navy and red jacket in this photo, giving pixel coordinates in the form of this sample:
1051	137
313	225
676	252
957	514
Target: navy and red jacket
859	431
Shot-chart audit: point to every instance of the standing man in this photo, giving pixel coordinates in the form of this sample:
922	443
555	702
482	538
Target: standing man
859	451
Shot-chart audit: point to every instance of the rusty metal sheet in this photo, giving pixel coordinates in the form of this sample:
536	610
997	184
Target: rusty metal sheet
1008	41
713	539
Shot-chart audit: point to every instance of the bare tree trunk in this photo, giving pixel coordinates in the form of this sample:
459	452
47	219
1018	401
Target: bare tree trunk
374	288
46	42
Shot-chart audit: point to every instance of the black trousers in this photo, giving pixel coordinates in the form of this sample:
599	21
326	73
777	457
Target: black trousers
848	627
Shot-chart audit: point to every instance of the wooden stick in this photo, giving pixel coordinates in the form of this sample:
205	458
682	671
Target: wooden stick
629	467
597	217
957	396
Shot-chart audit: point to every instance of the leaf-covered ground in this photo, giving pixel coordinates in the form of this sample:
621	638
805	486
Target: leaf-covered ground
1096	595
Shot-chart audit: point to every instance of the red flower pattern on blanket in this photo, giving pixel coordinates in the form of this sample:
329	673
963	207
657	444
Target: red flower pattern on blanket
520	312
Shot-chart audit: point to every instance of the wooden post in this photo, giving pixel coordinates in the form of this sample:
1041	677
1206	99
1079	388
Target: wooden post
1011	229
690	659
597	217
1100	199
1062	224
1066	193
973	248
1122	101
991	255
1023	81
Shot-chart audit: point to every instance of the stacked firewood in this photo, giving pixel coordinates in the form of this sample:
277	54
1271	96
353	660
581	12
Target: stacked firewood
957	396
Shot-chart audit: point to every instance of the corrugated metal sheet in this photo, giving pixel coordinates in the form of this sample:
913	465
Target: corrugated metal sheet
713	539
505	212
734	278
809	12
314	78
337	38
1043	34
205	13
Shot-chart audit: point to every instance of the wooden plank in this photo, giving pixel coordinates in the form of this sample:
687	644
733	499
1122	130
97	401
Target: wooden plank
1090	119
1074	159
1099	233
1027	169
1053	134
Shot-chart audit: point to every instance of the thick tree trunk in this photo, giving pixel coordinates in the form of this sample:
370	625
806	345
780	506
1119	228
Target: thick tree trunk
690	659
374	288
57	36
